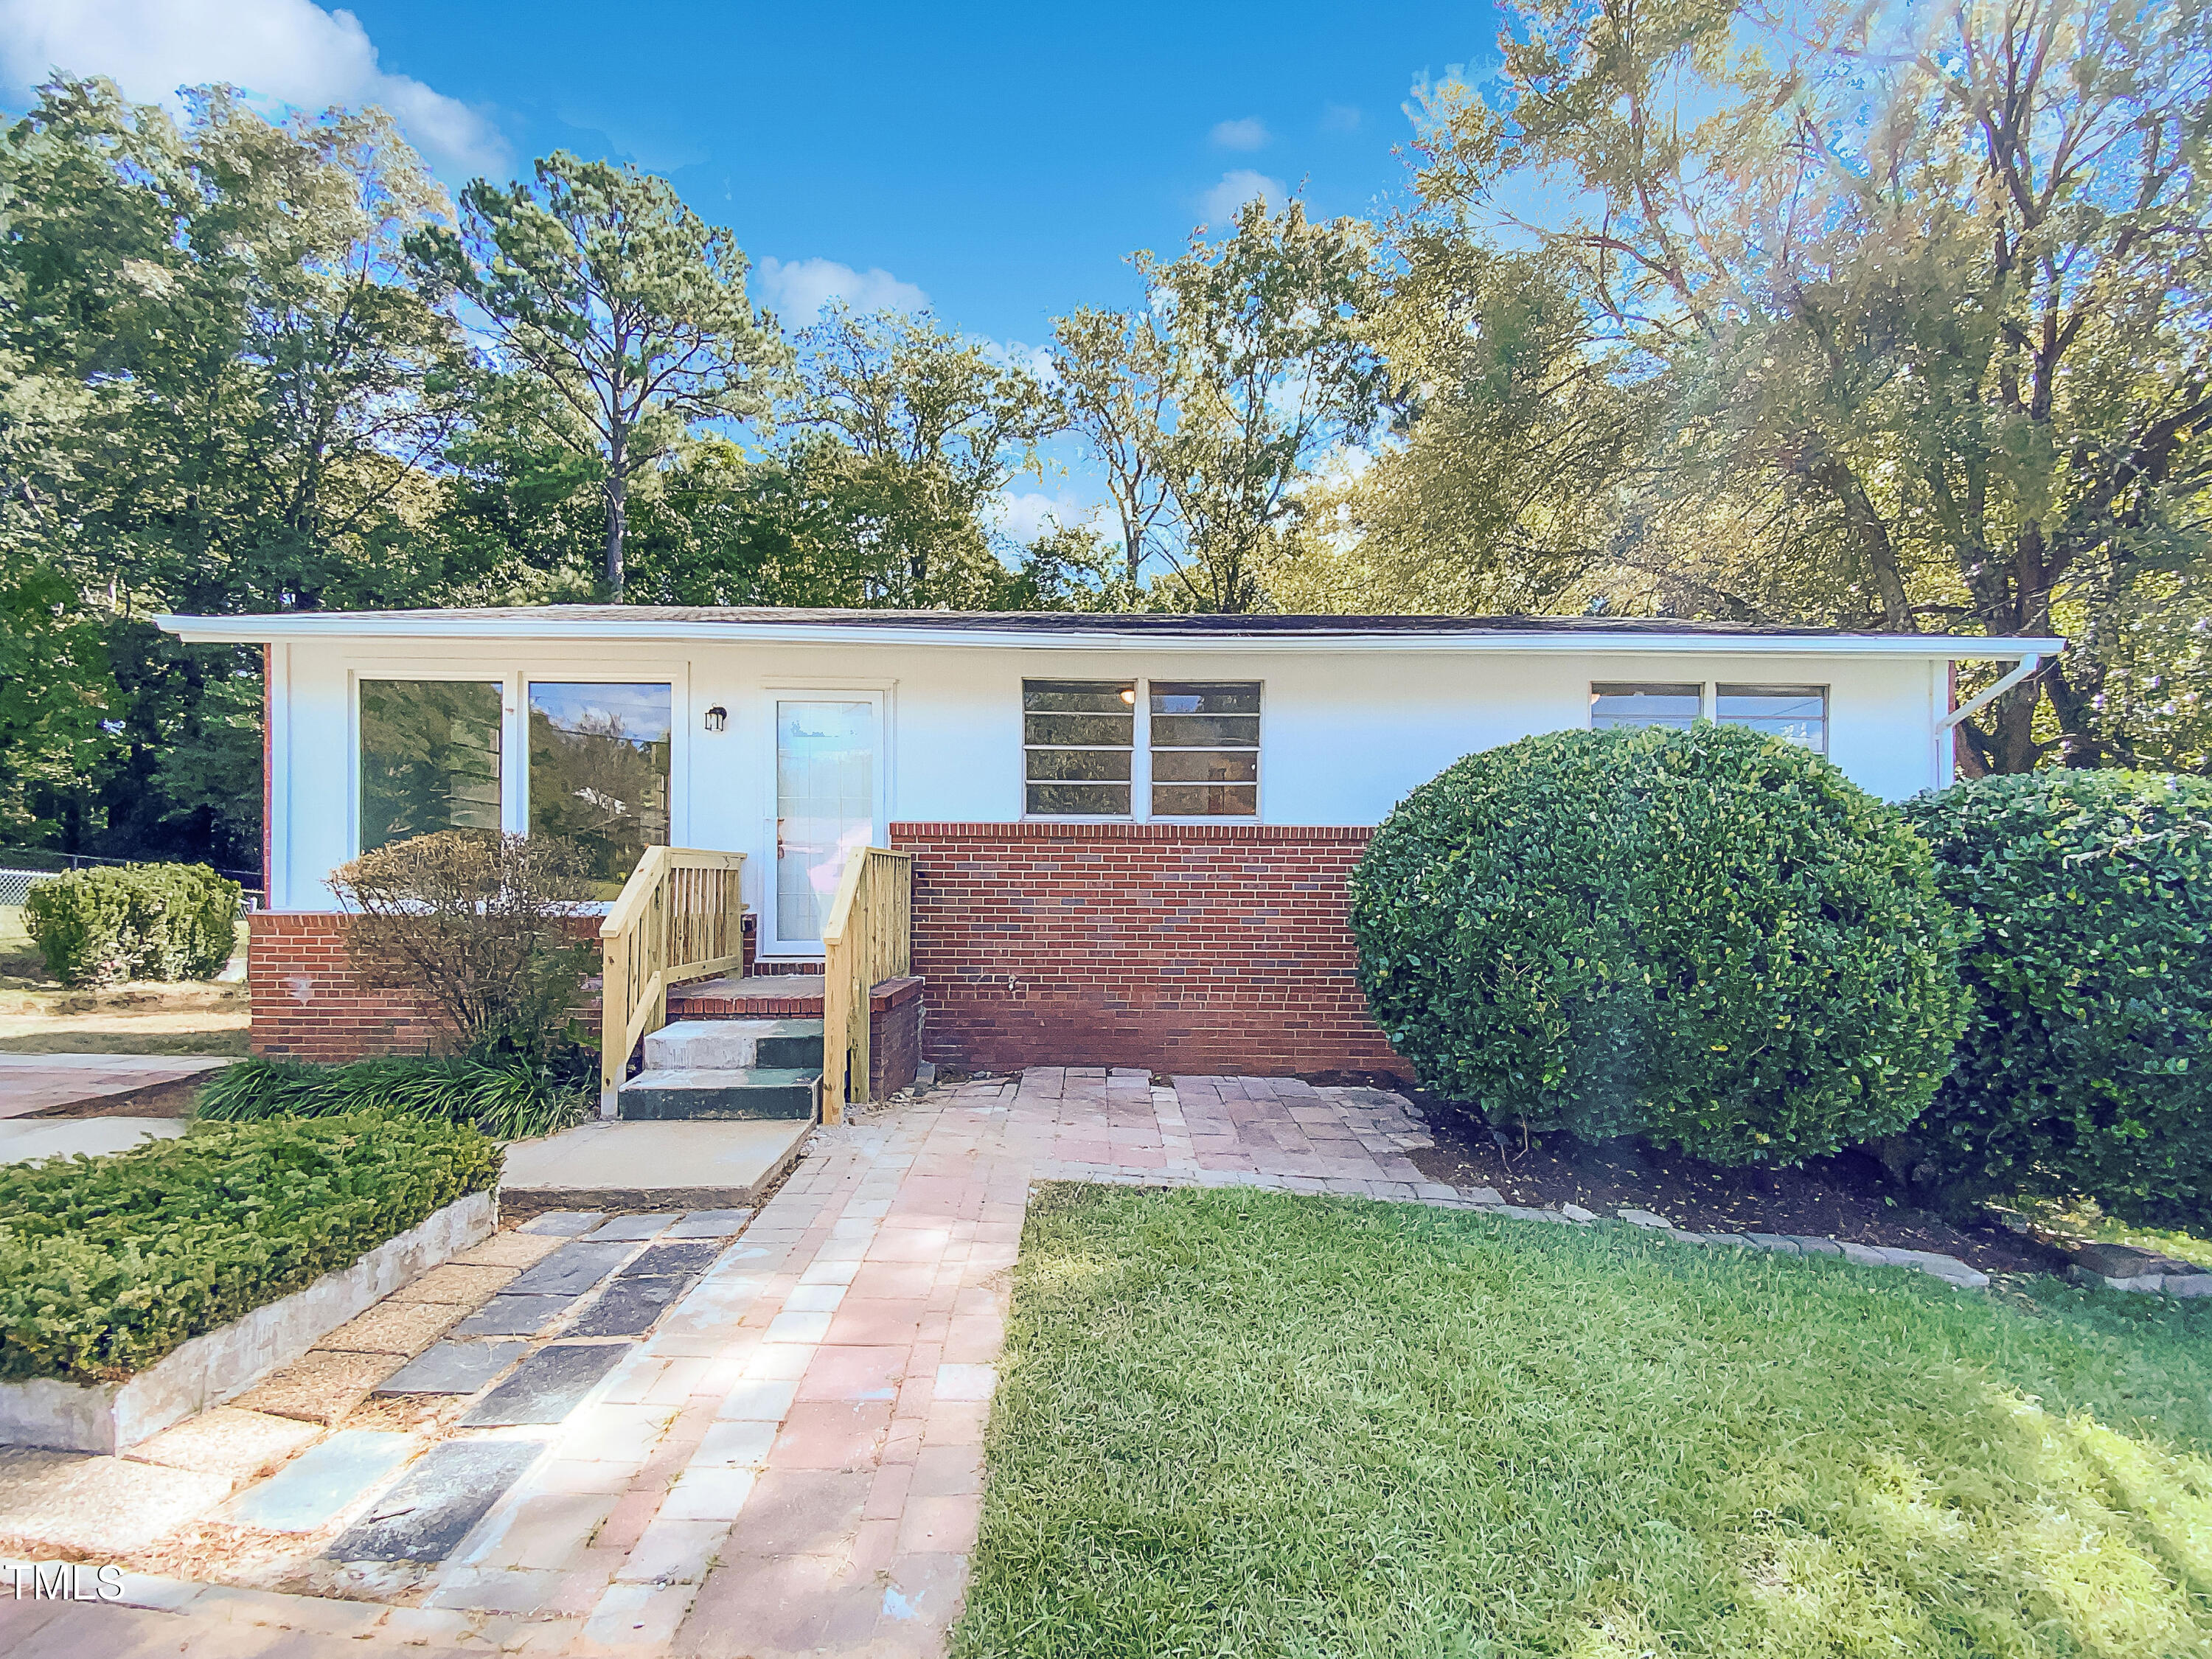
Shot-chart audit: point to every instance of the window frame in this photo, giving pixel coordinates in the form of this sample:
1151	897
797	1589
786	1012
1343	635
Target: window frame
1137	766
1708	697
1140	752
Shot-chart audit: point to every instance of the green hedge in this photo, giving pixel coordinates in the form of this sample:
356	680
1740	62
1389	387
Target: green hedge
1710	938
506	1099
108	1263
2087	1069
158	921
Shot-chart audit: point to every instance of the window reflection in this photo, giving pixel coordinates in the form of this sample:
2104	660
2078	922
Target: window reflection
429	758
599	773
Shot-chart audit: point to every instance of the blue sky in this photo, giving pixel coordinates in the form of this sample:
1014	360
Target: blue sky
998	161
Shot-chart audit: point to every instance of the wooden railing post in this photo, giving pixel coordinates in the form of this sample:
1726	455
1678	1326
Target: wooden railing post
868	938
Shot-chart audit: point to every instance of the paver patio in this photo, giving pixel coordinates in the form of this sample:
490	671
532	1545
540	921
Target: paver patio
791	1461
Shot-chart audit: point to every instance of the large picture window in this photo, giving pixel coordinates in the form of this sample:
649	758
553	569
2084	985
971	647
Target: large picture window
429	758
1205	749
1078	738
599	773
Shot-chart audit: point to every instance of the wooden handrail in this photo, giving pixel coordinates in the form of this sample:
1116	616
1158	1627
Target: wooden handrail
868	938
680	915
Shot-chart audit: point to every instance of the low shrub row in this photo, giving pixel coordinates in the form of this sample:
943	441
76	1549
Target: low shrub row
506	1099
106	1264
133	921
1713	939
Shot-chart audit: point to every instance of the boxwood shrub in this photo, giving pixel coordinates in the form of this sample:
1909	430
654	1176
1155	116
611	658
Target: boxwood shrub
1709	938
108	1263
2086	1066
164	921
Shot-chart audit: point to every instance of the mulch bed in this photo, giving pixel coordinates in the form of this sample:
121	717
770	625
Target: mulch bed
1849	1196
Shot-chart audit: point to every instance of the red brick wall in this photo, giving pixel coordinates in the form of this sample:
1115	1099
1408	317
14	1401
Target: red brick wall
308	1005
1178	948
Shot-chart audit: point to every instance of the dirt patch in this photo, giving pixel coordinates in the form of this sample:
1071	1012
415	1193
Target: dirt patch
1849	1196
174	1099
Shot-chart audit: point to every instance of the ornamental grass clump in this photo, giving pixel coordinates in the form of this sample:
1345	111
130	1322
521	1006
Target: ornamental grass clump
505	1099
106	1264
2086	1070
1711	939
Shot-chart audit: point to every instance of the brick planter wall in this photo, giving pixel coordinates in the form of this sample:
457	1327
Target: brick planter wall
894	1035
308	1005
1174	947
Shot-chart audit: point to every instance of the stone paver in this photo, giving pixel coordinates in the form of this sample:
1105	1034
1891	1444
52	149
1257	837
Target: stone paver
434	1505
41	1083
309	1491
452	1368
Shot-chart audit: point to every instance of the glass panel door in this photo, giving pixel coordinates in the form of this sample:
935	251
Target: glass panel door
825	806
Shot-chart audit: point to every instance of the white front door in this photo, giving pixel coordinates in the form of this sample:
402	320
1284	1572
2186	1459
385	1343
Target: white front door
827	777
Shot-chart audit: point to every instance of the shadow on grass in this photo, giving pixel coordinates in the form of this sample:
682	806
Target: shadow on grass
1258	1424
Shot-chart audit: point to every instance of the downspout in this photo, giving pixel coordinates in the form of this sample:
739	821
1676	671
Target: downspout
2026	665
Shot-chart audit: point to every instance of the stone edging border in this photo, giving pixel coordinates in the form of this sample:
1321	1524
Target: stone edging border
221	1364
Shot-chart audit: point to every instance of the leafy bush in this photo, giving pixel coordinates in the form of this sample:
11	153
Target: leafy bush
108	1263
1710	938
2087	1067
507	1100
482	926
163	921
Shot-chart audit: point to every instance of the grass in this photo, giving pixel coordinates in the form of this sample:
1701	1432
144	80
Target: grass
1257	1423
2083	1220
40	1016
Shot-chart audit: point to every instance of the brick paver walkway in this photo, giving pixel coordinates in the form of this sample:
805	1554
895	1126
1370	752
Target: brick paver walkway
792	1461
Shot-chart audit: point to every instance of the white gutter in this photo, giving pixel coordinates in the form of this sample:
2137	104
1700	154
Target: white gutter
294	625
2026	665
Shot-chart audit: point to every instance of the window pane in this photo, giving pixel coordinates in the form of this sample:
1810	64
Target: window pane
1080	696
1079	800
1184	800
599	773
1204	697
1081	737
429	758
1205	730
1113	730
1799	713
1644	705
1205	766
1048	764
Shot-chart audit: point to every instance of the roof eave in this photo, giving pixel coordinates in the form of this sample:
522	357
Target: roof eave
268	629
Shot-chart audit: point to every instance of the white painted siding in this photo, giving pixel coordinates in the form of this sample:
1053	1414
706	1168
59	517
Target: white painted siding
1345	735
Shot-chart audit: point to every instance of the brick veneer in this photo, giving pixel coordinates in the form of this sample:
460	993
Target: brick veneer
1193	948
308	1005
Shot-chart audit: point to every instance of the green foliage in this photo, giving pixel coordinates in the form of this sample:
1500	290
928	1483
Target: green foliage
2087	1068
1257	1424
1710	938
505	1099
152	921
108	1263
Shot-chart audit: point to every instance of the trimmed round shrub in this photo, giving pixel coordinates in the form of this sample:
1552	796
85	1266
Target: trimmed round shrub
1711	939
154	921
2086	1069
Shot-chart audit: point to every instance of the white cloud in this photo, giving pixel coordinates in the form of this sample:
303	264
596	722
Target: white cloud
1023	516
797	289
288	49
1249	133
1220	203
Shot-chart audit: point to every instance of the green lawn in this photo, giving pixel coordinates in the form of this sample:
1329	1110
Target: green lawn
1246	1423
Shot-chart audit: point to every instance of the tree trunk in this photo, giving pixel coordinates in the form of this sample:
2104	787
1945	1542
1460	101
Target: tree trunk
617	491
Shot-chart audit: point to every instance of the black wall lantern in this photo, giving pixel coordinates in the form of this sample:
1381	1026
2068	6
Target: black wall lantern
717	717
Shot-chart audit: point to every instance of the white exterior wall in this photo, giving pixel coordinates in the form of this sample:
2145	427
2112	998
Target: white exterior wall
1343	734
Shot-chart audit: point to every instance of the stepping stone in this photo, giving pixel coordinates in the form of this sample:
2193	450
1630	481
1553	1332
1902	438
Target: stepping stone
242	1446
430	1511
548	1385
309	1491
401	1328
454	1368
321	1387
566	1223
665	1261
570	1271
710	1224
463	1287
513	1316
631	1227
629	1306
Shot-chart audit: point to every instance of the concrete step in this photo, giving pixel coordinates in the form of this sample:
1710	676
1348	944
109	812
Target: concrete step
756	1091
729	1045
650	1167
